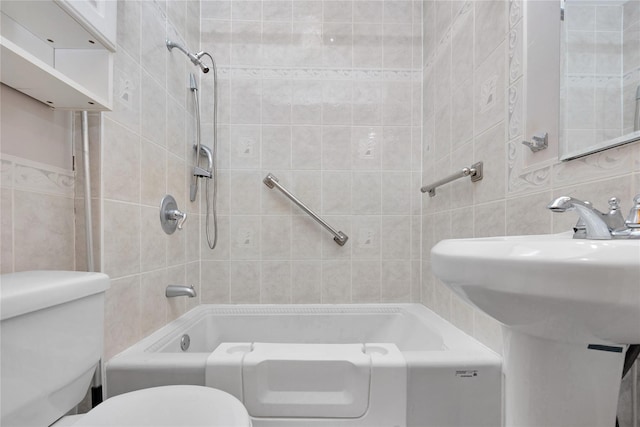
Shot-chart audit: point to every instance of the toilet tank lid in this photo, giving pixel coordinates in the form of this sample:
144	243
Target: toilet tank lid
29	291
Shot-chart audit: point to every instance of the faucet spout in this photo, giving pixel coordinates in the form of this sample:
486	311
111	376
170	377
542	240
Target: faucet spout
594	220
179	291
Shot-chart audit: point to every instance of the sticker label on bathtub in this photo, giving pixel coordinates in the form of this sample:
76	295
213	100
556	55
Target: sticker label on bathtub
467	374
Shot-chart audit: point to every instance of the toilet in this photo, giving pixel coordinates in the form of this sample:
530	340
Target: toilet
51	333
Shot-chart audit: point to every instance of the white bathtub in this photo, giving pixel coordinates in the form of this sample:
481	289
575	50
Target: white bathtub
335	365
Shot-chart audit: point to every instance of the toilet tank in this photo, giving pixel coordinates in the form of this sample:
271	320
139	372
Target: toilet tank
51	339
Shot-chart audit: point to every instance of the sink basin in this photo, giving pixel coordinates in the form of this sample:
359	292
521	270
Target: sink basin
567	306
551	286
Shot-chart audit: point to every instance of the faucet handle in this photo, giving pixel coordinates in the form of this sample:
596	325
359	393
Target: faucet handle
633	219
614	205
614	218
170	216
177	215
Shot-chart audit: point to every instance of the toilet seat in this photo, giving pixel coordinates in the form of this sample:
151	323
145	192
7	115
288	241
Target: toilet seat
178	405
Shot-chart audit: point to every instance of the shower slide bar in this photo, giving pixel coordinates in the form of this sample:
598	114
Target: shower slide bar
271	181
474	172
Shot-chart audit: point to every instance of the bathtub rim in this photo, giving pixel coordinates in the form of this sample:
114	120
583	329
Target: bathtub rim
458	344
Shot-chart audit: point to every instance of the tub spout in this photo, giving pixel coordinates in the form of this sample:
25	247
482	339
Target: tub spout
180	290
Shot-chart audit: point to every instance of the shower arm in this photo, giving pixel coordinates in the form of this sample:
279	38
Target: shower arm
194	58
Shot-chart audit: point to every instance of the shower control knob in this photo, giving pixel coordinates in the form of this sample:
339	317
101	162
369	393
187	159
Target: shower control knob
170	216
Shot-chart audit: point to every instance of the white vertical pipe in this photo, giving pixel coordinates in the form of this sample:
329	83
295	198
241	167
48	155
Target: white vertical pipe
96	381
88	224
634	394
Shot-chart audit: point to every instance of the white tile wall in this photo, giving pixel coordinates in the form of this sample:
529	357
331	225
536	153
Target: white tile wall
145	155
323	95
473	52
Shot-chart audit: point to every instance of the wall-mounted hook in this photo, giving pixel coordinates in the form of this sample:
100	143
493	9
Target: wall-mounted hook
538	142
170	216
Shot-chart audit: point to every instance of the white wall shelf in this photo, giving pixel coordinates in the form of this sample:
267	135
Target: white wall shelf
51	53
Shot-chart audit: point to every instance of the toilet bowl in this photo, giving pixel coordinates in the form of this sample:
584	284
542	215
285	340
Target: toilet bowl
177	405
51	334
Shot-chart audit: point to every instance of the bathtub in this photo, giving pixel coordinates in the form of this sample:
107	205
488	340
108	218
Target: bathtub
323	365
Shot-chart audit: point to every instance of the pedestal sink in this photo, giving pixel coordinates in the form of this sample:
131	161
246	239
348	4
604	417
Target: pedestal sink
568	308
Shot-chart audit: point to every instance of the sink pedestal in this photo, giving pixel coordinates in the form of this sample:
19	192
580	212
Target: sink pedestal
551	383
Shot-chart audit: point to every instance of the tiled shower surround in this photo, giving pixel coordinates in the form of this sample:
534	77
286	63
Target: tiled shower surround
353	105
145	155
326	96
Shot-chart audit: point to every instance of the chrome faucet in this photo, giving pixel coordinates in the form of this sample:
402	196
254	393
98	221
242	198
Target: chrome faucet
593	224
179	291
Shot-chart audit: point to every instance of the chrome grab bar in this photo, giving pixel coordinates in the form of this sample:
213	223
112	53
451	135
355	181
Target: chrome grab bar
474	172
271	181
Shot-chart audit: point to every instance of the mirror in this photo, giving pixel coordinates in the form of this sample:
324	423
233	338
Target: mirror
600	76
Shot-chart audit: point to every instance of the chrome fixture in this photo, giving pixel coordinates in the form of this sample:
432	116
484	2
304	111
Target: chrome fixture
580	229
194	57
88	211
185	342
200	150
633	219
198	172
180	291
170	216
339	237
538	142
593	224
474	172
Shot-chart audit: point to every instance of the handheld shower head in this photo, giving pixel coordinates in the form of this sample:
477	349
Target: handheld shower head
203	67
194	58
197	61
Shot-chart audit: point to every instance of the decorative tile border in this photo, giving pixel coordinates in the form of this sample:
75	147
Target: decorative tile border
515	110
515	12
609	163
587	81
515	53
401	75
6	173
520	179
25	174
